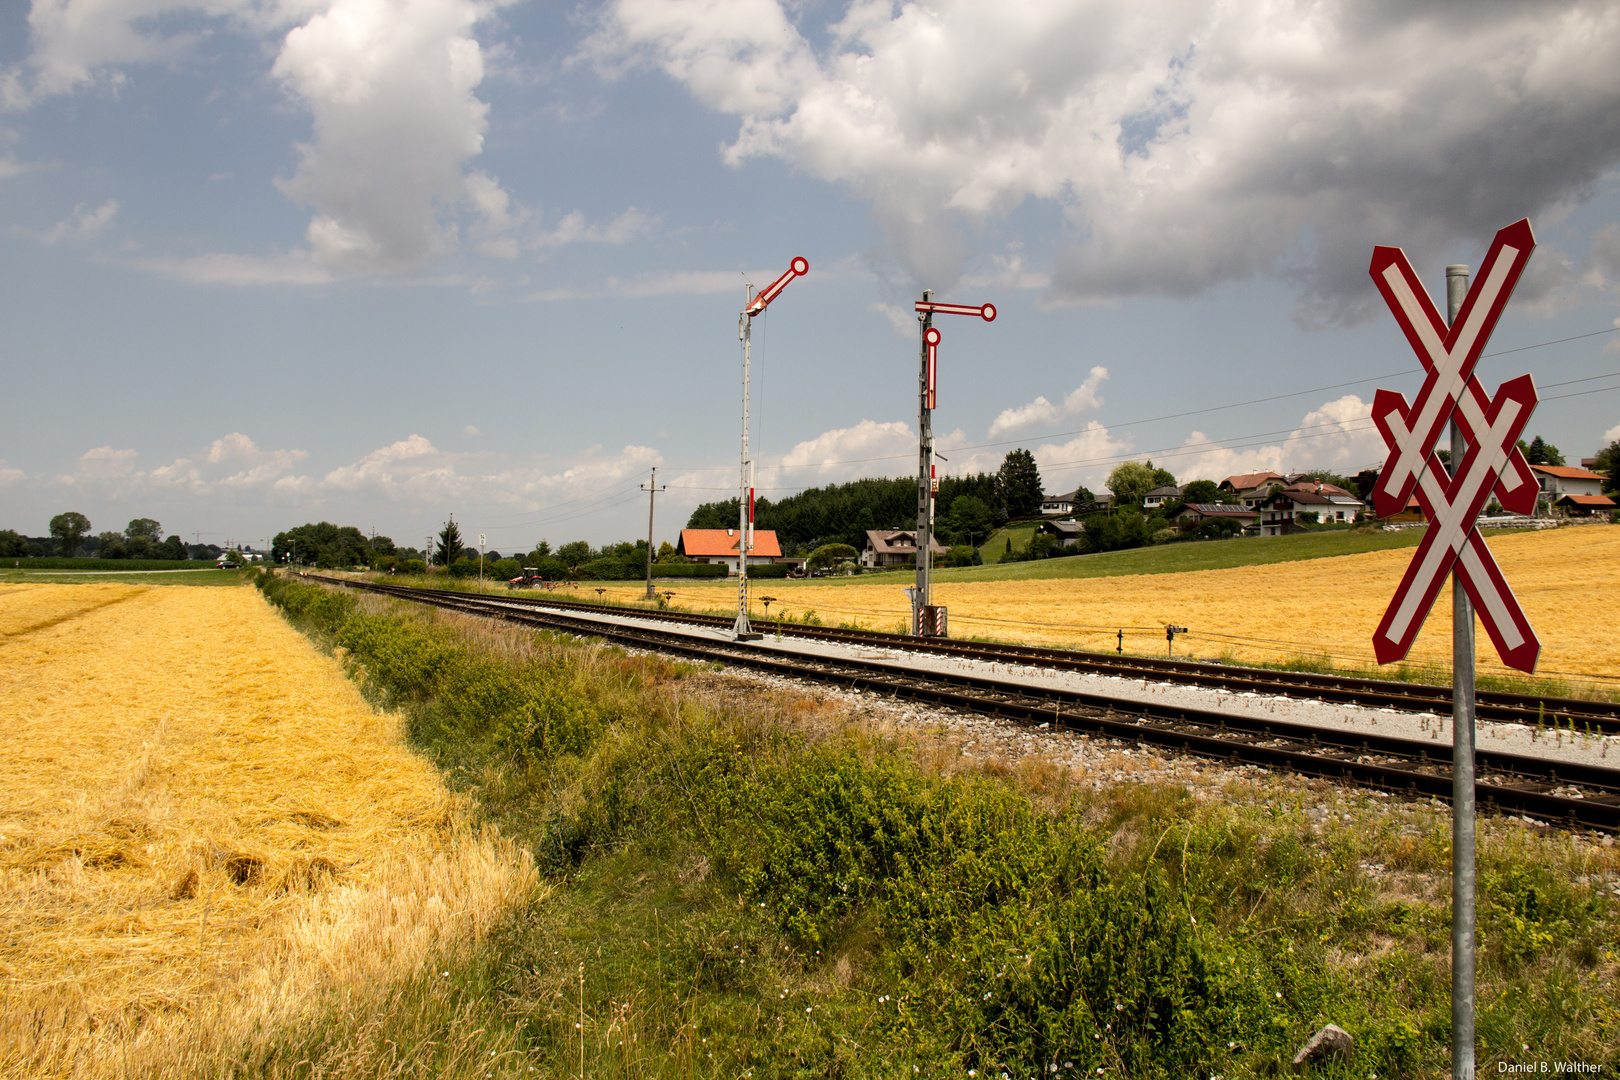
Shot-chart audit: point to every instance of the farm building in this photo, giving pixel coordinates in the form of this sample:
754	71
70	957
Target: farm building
720	546
894	547
1585	505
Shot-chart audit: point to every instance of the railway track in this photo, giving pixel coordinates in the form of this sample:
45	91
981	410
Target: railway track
1568	714
1561	793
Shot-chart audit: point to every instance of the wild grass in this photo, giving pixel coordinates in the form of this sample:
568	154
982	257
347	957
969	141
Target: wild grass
755	884
207	837
205	575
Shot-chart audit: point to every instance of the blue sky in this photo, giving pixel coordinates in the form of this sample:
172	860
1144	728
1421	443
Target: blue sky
381	261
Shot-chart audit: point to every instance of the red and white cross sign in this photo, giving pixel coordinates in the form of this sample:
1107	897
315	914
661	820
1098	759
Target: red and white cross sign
1452	500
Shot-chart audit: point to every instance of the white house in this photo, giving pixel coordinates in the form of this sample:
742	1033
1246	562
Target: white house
720	546
1159	496
1557	480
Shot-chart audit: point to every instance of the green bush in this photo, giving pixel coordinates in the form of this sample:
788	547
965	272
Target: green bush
769	570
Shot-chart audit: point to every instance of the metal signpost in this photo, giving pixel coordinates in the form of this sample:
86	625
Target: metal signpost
926	619
799	267
1484	457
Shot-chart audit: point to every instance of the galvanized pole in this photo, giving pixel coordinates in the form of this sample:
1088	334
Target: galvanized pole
920	597
1463	892
480	562
741	631
652	489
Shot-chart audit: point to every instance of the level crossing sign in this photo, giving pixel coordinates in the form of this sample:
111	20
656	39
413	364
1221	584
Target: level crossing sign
1452	498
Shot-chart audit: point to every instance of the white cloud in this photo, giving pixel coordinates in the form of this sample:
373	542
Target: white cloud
1042	413
10	476
102	464
1604	255
1188	144
902	321
573	229
82	222
677	283
471	431
869	448
1611	435
221	269
10	166
1085	459
390	86
232	464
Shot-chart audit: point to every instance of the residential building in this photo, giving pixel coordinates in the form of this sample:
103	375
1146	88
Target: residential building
720	546
1067	533
1159	496
894	547
1192	515
1064	504
1559	480
1250	488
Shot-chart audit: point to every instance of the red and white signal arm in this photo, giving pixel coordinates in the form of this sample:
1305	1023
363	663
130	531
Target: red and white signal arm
932	339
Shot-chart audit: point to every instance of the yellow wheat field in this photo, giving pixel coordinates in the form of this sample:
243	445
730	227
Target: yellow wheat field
204	830
1313	608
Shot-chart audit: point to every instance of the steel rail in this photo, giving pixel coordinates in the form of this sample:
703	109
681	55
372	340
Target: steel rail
1567	714
1561	793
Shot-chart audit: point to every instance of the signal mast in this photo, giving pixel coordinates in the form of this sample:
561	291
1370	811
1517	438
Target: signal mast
752	305
926	619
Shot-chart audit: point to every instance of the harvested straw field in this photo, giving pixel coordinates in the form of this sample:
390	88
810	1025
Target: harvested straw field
1268	613
206	833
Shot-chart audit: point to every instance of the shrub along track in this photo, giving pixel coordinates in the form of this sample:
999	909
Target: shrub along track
1589	717
1563	793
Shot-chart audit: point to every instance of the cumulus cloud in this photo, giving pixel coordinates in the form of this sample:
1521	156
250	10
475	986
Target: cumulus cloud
1604	255
1188	144
390	87
1042	413
102	464
232	464
82	222
10	476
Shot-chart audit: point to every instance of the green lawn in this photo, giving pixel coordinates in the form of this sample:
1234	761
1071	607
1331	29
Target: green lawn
126	577
1192	555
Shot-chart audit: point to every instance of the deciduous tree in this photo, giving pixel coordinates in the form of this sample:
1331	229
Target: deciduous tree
70	529
1131	480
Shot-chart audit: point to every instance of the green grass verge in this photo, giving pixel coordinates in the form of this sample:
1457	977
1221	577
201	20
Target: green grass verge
738	892
208	576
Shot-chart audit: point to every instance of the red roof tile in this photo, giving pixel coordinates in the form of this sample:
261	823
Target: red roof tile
722	544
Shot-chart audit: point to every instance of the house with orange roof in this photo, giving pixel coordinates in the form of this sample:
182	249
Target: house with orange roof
1559	480
720	546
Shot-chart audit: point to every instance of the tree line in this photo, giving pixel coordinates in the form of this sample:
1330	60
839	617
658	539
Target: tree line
72	535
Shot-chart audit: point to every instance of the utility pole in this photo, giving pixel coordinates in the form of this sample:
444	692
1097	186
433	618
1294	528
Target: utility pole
925	622
480	562
652	489
752	305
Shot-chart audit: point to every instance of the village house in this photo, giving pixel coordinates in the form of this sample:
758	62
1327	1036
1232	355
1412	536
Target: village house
1066	533
1560	480
1585	505
1193	515
1279	512
894	547
720	546
1250	488
1159	496
1062	504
